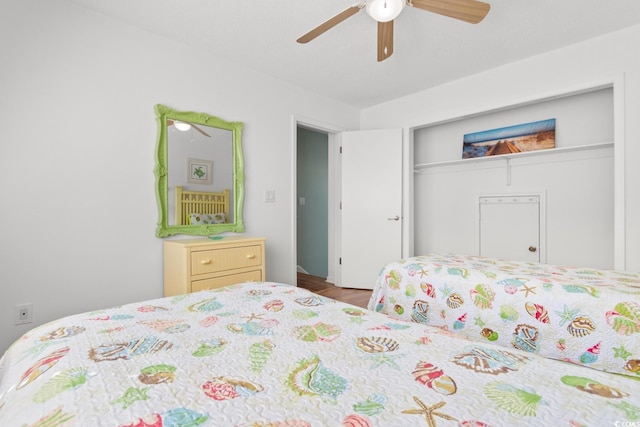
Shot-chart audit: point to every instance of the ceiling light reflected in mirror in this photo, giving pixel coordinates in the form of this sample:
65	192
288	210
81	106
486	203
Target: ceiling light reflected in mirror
182	126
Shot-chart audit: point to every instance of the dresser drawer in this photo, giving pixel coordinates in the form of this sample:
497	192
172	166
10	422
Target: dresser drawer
192	265
218	282
215	260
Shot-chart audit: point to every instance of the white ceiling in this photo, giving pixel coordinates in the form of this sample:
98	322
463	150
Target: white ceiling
429	49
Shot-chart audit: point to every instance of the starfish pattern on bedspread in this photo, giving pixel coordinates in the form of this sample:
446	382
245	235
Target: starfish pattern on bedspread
429	412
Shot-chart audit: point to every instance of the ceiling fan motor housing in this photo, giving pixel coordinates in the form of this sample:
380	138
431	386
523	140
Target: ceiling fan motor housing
384	10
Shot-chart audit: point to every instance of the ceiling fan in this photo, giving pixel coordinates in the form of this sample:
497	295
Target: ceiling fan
385	11
183	126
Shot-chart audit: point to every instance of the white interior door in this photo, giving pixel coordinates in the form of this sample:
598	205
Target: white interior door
371	220
510	227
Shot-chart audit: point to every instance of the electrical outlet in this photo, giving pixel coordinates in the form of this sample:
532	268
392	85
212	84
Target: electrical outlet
23	313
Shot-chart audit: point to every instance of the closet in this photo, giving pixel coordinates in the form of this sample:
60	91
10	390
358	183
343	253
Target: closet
574	180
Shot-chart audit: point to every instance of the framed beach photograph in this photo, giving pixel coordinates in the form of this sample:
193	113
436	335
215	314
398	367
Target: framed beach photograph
199	171
540	135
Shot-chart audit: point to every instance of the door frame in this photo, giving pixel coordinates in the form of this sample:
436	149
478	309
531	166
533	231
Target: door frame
333	200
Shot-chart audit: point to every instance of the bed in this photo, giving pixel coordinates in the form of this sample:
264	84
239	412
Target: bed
269	354
585	316
199	207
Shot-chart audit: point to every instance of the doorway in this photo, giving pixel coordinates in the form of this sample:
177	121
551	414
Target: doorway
332	135
335	184
312	202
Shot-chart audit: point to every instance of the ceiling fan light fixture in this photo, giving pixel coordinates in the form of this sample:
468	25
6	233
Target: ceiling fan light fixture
384	10
182	126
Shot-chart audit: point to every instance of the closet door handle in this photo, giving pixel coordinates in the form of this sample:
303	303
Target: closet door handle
395	218
532	249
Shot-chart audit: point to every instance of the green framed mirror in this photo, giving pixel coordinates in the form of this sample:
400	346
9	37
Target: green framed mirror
199	174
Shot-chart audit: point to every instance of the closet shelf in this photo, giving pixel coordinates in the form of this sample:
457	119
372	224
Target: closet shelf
507	157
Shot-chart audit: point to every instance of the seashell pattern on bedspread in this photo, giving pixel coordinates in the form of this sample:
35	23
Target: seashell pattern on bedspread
227	358
584	316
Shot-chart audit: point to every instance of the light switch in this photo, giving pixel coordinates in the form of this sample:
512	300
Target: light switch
269	196
301	201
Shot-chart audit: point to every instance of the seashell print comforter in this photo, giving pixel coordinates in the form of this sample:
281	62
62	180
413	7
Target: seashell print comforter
584	316
268	354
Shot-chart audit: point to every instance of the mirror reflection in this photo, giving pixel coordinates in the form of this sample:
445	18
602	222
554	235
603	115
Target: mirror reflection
199	174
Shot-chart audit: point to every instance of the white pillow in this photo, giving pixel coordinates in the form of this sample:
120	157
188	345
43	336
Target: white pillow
200	219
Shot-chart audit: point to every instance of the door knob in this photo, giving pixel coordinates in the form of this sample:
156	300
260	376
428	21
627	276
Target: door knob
532	249
395	218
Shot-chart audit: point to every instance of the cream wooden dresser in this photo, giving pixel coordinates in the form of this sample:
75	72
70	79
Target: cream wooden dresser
193	265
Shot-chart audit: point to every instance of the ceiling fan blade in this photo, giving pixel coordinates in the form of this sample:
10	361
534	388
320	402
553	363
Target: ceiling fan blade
385	40
171	122
327	25
471	11
200	130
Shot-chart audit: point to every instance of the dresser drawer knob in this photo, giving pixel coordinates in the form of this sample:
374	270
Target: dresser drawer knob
251	256
205	261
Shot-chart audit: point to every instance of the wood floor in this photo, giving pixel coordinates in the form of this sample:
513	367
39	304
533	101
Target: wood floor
319	285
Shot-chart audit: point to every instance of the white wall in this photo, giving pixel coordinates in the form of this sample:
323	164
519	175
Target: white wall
605	59
78	209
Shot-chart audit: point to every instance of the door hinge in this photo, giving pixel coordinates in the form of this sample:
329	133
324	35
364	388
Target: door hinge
340	260
340	205
341	149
